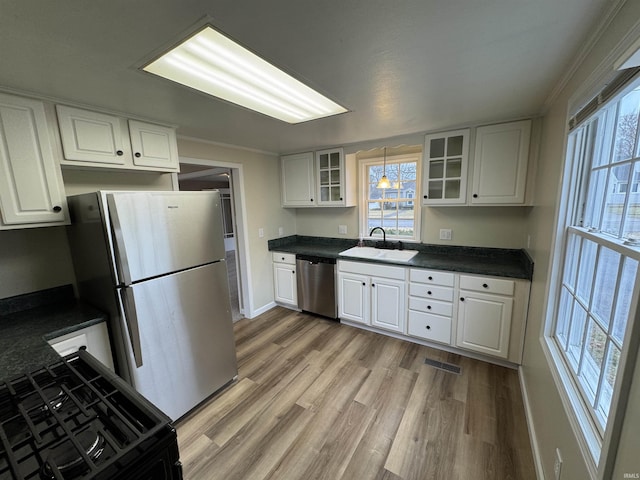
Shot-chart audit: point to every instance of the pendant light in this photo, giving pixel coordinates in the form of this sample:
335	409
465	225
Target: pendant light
384	181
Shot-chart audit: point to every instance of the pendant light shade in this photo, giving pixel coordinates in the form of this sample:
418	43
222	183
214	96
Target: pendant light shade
384	181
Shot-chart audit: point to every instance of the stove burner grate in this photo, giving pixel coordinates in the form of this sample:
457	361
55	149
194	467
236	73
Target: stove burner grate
75	419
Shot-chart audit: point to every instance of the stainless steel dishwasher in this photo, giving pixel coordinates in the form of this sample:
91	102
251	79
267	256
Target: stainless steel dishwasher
317	285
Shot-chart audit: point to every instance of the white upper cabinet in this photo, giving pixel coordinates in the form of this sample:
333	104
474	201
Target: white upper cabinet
335	179
153	146
31	188
446	160
321	179
298	180
500	163
94	139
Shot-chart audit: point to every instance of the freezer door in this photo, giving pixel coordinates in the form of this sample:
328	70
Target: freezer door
156	233
181	347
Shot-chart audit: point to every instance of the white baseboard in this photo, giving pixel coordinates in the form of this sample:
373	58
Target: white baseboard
537	460
261	310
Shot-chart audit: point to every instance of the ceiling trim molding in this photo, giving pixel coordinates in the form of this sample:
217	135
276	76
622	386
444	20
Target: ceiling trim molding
587	47
227	145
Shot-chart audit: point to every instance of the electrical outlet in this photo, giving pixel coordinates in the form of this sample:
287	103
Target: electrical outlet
445	234
342	229
557	466
261	232
280	231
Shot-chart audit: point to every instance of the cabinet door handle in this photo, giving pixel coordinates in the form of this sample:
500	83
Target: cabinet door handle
373	284
312	199
137	154
425	196
428	292
293	271
119	153
475	195
363	284
428	307
340	198
462	299
484	285
430	278
428	327
57	208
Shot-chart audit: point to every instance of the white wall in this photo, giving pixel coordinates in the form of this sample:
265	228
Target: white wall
34	259
548	416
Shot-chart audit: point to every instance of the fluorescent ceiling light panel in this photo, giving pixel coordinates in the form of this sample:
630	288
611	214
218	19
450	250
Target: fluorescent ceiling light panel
212	63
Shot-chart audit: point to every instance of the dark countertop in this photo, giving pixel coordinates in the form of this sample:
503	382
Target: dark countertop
24	332
500	262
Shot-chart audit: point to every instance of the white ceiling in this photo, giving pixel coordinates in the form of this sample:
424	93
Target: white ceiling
400	66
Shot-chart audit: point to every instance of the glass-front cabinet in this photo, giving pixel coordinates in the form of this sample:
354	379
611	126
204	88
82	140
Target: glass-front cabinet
446	159
330	173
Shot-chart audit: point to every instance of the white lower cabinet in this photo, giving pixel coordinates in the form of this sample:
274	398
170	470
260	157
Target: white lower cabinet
431	309
372	294
284	278
484	323
388	304
94	339
477	313
354	297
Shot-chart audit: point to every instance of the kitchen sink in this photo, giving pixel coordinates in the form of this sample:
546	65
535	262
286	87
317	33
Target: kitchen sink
380	254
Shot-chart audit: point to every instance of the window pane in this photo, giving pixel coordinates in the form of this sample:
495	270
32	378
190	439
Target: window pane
452	189
571	260
578	322
595	198
564	315
623	301
632	219
627	126
586	269
454	146
454	167
606	392
435	189
605	285
592	360
603	140
616	196
436	169
436	148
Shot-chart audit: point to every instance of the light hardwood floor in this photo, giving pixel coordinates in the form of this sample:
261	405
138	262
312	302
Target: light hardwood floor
316	399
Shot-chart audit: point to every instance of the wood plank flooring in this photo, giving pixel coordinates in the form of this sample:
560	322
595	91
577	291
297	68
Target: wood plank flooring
318	400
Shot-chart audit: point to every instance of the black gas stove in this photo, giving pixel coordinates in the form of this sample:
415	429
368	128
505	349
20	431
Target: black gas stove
75	419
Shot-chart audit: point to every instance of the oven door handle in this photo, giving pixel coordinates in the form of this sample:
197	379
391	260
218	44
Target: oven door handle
131	324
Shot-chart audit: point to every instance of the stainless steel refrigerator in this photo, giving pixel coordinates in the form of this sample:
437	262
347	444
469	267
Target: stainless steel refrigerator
155	261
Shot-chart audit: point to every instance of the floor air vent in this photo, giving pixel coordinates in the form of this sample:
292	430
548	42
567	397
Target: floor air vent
447	367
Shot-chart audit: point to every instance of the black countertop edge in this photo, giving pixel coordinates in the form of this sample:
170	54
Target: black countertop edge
503	262
24	334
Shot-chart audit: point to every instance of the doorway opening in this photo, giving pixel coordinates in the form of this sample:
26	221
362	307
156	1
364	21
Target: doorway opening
207	176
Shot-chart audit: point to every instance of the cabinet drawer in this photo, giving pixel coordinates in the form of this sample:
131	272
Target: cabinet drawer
427	305
429	327
281	257
484	284
432	277
429	291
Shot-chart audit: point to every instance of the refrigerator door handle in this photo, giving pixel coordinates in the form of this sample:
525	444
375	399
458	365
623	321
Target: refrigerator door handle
119	243
131	323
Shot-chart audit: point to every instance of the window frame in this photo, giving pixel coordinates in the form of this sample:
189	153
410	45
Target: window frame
363	166
595	443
